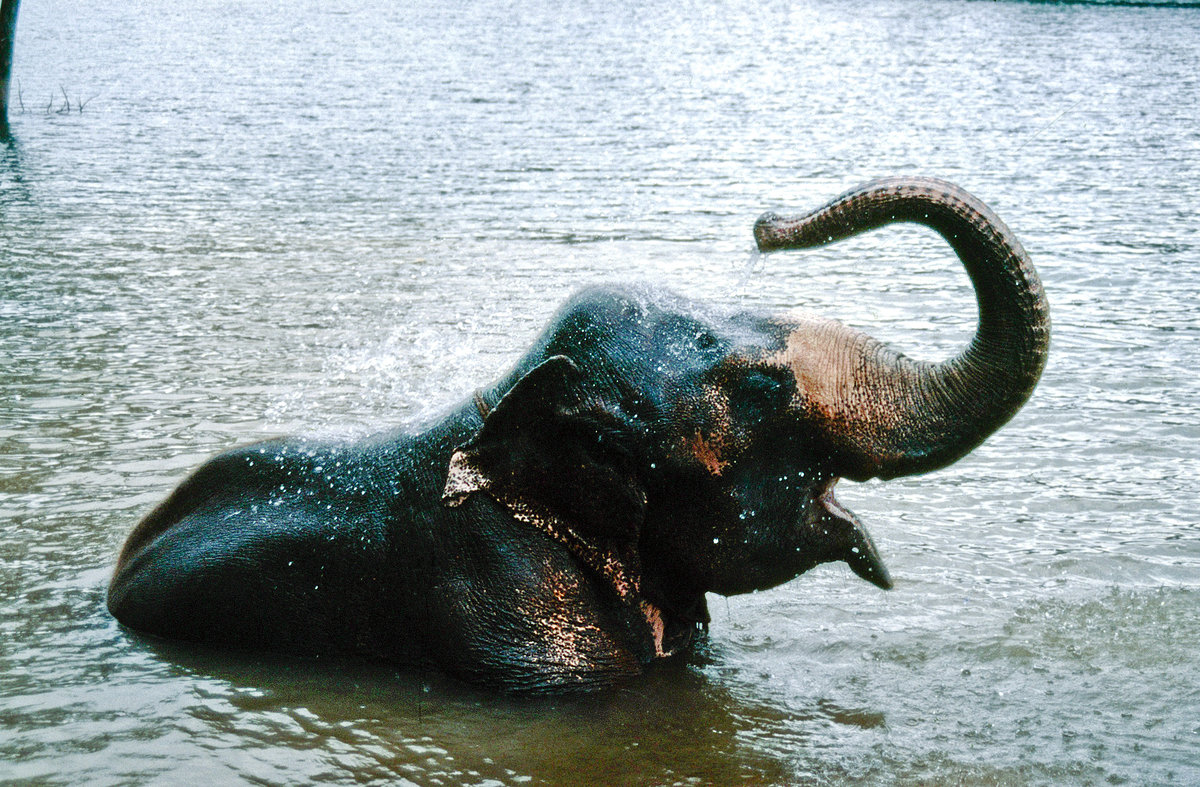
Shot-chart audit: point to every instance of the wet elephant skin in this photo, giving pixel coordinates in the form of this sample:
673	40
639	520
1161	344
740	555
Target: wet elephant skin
559	531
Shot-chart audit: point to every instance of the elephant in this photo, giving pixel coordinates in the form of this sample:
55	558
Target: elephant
558	531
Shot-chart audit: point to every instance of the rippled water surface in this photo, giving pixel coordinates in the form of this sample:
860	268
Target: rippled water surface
273	218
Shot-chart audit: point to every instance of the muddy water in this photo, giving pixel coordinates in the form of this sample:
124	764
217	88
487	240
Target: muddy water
337	217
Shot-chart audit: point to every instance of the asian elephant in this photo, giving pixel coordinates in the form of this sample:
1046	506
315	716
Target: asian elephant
559	530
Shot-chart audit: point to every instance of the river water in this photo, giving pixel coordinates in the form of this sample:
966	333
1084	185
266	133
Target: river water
293	217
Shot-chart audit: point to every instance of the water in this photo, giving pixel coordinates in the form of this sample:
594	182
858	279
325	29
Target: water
342	216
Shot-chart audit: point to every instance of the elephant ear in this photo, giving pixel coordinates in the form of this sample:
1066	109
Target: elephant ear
564	462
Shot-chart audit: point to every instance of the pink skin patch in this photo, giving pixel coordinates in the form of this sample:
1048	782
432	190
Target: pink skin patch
707	454
658	628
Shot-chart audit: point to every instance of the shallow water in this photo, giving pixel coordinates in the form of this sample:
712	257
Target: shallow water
342	217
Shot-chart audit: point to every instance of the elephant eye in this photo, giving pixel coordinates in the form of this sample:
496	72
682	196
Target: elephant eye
760	394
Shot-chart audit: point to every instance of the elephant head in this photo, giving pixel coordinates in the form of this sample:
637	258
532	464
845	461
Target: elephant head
678	448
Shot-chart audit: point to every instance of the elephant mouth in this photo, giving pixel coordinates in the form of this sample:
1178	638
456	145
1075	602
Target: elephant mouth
850	540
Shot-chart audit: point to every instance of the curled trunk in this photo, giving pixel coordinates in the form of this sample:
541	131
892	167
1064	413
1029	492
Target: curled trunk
892	416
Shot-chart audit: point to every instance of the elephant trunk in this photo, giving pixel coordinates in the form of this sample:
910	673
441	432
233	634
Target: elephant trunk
891	416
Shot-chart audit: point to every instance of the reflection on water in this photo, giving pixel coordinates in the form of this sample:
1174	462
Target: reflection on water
658	728
340	218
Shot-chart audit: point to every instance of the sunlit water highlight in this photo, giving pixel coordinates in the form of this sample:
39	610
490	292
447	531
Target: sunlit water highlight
342	217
